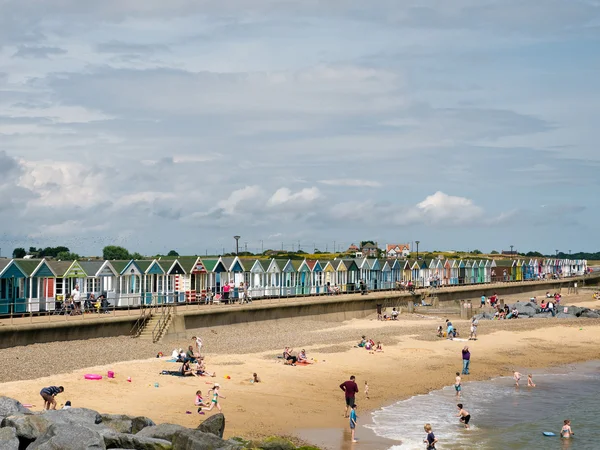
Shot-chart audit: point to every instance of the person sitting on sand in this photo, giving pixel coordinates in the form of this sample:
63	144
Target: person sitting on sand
394	314
440	331
67	405
362	342
255	378
186	370
548	294
302	358
288	357
199	401
379	347
543	306
201	370
190	355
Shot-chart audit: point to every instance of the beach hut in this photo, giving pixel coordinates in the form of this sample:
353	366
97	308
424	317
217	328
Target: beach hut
108	276
397	266
386	275
454	272
447	279
275	277
61	285
462	272
424	273
374	274
353	275
42	279
517	270
481	276
474	272
259	278
415	270
341	273
329	272
406	271
14	289
501	270
304	276
182	269
318	276
153	292
295	281
130	283
468	271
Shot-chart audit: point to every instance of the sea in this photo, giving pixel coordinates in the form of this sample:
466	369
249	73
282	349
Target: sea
502	415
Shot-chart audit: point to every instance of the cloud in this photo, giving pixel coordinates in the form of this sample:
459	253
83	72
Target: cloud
27	51
130	48
285	197
350	182
441	208
238	198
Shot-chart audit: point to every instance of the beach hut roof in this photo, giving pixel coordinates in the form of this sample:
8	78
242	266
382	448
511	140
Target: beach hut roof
227	262
3	264
91	268
27	266
60	268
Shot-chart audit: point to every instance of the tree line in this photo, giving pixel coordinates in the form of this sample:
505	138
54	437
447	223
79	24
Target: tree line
63	253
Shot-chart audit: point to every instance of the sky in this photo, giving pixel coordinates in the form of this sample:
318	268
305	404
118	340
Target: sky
464	124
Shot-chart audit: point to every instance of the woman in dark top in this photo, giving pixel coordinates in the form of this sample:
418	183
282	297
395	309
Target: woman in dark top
287	355
466	356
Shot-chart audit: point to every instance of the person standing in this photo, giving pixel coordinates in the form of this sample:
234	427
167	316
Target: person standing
457	385
474	323
466	357
353	419
350	389
76	298
48	394
464	415
430	440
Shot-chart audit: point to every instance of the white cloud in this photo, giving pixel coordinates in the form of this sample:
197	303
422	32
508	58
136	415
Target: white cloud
239	197
351	182
441	208
284	197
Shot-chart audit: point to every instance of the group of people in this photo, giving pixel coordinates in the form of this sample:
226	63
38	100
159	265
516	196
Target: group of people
291	359
369	344
192	356
72	303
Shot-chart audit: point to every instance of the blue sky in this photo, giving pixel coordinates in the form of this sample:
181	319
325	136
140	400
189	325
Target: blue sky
156	125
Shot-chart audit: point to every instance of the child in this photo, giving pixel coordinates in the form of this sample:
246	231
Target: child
366	389
517	377
566	431
430	440
353	419
474	323
464	415
440	331
67	405
215	397
199	402
379	348
255	378
457	385
530	382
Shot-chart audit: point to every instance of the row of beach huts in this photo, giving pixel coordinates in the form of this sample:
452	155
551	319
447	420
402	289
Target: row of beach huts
28	285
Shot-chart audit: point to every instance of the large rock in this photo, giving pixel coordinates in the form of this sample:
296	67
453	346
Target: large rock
77	416
575	310
197	440
9	407
562	315
214	425
164	431
134	441
27	426
126	424
68	437
524	309
544	315
8	439
590	314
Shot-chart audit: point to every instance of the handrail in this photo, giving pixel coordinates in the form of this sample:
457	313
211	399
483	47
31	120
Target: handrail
140	322
165	315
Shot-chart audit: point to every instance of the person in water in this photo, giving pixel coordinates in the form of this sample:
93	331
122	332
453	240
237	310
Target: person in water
464	415
517	377
566	431
353	419
457	385
430	440
530	382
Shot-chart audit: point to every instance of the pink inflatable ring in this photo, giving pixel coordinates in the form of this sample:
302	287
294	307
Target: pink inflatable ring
92	376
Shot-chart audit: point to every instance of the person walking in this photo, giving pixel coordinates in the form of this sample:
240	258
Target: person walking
466	357
350	389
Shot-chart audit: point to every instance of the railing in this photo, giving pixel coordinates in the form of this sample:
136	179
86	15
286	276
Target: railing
35	311
166	312
138	326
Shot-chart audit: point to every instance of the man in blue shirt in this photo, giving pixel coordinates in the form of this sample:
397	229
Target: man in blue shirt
48	394
353	422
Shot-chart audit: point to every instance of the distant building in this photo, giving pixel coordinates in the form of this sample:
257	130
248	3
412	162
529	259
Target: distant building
353	249
370	250
509	252
397	250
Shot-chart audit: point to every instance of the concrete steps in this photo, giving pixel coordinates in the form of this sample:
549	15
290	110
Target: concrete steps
150	327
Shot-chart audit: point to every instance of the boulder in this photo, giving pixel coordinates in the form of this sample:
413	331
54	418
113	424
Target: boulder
122	423
68	437
27	426
544	315
214	425
9	407
164	431
562	315
524	310
197	440
590	315
8	439
77	416
574	310
134	441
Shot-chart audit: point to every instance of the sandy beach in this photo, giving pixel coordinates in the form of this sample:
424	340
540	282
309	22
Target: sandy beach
288	399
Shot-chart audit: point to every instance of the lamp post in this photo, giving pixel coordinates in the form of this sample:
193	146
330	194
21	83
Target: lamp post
511	250
237	244
417	242
557	253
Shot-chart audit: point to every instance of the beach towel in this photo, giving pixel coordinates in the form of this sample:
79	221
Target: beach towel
175	373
